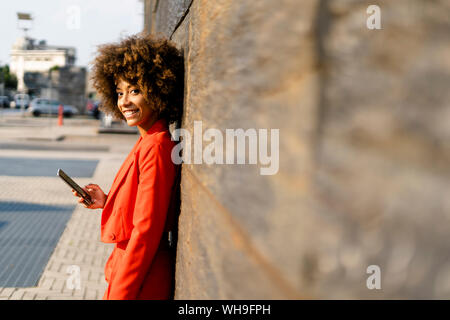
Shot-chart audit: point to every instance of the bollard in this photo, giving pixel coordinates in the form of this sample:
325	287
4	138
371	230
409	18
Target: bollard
60	115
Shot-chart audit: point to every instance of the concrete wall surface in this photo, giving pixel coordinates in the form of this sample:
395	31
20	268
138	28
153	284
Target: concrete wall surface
363	117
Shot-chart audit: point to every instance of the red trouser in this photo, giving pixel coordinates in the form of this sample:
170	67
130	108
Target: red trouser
157	283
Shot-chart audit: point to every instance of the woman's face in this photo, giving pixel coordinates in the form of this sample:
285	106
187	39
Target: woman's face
134	107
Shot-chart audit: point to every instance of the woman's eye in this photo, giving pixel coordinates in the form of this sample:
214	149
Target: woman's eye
135	91
119	94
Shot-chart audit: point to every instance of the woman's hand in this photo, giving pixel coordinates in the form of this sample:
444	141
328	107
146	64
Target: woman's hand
97	195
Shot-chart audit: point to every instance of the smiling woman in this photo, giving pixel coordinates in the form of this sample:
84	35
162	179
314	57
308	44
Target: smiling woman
140	80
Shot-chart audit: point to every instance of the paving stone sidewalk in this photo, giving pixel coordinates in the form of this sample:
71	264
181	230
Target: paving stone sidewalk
79	248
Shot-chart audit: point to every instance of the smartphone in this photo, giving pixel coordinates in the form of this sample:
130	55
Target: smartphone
86	197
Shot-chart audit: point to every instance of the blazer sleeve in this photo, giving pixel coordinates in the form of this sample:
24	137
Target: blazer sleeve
157	173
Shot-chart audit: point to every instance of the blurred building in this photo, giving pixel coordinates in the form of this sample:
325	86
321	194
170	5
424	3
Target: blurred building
48	71
28	56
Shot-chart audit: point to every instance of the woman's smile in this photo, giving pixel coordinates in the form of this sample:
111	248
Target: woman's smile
131	113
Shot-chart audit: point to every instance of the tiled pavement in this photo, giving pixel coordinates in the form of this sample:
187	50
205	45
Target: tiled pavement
79	247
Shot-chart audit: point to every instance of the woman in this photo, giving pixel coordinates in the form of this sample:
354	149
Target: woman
139	80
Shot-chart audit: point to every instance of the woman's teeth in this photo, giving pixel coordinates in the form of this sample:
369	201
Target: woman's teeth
130	113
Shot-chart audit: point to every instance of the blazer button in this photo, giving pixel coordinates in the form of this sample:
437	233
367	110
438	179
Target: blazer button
113	236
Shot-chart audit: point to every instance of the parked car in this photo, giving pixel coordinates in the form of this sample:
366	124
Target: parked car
92	108
19	100
4	101
40	106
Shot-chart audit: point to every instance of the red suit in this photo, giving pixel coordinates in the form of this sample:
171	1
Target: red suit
135	218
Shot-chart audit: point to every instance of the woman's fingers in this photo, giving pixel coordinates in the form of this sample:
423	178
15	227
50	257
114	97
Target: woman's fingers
92	190
89	189
80	198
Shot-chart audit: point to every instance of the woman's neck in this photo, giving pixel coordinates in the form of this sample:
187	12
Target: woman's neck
143	128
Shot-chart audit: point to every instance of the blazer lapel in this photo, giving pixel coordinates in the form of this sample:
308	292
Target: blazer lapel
121	174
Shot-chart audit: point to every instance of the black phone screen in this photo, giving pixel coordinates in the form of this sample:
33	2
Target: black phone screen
75	186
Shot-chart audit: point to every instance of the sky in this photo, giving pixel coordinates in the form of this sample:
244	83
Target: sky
83	24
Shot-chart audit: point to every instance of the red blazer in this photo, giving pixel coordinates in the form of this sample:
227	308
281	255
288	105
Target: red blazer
134	217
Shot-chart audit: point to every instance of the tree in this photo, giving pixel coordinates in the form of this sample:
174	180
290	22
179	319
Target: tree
9	79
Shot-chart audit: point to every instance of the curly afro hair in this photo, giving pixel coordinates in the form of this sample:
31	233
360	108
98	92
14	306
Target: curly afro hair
153	64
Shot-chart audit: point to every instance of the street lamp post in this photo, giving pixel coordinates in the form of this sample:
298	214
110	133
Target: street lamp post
21	16
24	22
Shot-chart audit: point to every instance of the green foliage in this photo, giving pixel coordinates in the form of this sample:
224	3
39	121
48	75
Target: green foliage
10	80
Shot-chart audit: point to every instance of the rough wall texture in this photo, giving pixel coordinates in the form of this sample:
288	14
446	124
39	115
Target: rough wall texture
364	148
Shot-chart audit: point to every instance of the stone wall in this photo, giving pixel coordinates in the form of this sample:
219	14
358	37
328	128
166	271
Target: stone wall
364	148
